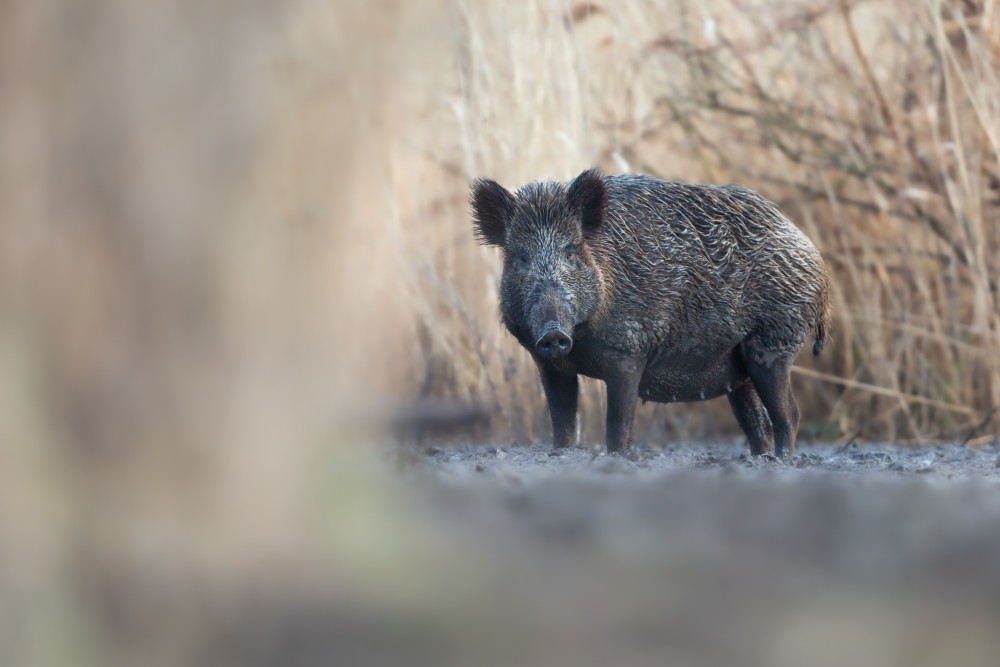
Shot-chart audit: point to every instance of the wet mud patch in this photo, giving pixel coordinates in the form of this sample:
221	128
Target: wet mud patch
527	463
860	555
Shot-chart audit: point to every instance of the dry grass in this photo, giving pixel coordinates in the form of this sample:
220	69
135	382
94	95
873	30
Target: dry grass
873	124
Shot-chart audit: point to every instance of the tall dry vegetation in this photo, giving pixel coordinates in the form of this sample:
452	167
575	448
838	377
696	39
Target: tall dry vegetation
874	124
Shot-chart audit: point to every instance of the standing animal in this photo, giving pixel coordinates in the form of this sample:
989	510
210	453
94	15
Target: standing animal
665	291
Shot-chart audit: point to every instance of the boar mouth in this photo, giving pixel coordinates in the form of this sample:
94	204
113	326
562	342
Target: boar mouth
554	342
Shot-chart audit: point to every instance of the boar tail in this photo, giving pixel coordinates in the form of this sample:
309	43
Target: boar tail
820	339
824	323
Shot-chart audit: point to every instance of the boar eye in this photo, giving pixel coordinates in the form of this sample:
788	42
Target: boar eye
571	253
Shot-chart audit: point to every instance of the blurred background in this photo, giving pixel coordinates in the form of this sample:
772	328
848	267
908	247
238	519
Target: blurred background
224	226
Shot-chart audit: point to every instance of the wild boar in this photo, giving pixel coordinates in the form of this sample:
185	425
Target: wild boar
665	291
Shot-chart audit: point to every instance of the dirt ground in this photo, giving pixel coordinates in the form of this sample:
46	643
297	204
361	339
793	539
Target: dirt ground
699	554
528	464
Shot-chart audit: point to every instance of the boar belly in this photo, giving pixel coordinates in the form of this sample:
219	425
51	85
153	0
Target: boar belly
676	376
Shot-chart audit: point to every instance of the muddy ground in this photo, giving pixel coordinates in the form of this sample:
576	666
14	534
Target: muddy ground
526	464
699	554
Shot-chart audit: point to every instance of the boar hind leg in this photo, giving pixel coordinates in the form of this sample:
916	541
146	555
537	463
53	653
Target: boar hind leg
771	377
561	390
752	417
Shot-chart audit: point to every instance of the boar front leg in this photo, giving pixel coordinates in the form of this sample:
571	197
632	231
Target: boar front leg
561	390
623	396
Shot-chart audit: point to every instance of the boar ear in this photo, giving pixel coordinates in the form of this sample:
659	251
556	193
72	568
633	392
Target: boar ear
588	196
492	206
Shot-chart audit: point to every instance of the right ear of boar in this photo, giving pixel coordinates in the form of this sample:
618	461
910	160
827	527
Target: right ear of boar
492	206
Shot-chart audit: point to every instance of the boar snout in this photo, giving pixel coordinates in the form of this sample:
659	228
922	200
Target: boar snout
554	343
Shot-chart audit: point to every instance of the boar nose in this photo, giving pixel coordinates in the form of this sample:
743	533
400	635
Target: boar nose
554	343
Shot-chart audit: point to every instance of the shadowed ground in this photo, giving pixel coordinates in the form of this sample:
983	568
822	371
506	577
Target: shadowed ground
700	555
